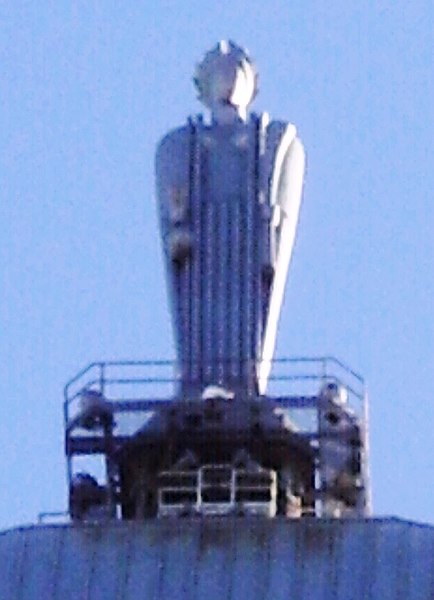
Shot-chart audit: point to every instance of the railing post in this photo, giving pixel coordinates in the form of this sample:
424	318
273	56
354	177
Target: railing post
366	462
102	378
324	369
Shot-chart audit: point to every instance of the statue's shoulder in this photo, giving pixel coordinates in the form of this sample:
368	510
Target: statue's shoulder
280	137
277	131
172	156
175	139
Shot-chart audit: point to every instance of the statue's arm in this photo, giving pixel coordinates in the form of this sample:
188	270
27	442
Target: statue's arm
288	197
285	193
172	166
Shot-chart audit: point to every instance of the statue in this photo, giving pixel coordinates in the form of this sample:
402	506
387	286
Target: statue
229	193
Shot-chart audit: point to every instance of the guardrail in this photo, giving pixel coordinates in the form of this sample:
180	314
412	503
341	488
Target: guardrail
151	382
132	392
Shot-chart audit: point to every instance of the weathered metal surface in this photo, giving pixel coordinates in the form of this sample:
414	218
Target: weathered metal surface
224	559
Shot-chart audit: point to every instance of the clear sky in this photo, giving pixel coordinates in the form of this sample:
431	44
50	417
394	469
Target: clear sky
86	90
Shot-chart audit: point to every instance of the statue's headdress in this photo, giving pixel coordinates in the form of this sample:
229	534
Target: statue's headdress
226	76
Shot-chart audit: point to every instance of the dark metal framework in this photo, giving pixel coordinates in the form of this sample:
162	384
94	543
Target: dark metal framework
311	429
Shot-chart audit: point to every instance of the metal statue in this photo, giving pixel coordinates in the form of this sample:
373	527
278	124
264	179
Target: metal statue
229	193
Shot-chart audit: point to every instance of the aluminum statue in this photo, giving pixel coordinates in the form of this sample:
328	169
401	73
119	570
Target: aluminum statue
229	194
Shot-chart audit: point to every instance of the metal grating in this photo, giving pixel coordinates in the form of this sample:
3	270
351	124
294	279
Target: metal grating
224	559
217	490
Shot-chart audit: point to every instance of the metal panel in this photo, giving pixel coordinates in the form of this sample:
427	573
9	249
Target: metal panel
224	559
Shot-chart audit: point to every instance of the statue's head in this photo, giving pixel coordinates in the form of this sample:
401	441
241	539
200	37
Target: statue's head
226	81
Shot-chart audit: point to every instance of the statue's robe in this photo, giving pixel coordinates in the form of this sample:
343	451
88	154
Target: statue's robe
229	198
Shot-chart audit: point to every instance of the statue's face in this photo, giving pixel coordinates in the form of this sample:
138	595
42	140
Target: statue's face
231	84
223	82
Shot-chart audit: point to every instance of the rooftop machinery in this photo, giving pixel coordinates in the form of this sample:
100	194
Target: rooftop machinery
218	432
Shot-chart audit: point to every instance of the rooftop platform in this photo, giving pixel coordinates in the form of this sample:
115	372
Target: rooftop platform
138	419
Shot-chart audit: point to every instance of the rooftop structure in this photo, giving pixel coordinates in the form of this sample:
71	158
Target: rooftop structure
218	432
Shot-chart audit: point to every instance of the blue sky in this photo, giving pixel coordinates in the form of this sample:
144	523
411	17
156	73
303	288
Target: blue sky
86	90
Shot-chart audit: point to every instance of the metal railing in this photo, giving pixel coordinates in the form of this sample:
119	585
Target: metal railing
158	380
135	390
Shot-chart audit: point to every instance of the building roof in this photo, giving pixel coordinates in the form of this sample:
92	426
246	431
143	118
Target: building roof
222	558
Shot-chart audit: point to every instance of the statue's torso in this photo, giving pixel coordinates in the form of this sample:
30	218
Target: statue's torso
214	185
